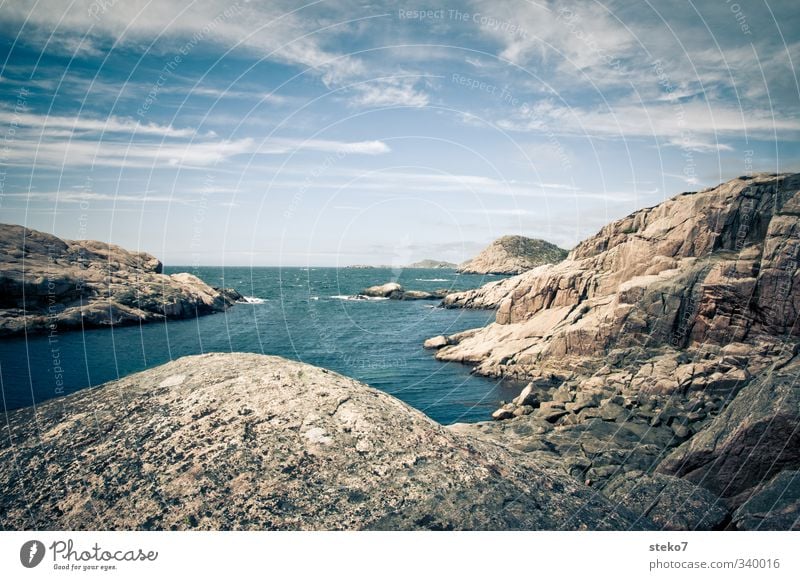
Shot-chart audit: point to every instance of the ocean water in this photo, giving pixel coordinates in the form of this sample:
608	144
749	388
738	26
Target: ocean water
305	314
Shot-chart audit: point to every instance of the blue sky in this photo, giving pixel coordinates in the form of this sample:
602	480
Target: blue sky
339	132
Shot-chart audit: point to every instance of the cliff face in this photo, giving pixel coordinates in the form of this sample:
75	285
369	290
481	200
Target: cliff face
662	332
513	255
713	267
46	281
243	441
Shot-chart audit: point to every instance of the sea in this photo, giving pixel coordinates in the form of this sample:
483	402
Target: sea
311	315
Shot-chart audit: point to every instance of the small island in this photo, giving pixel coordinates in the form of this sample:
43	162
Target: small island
513	255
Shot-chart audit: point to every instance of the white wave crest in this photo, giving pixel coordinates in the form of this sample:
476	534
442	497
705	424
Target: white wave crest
252	300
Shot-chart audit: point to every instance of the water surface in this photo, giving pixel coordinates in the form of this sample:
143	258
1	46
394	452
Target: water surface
298	313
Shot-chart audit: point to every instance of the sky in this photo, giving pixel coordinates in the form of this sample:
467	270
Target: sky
345	132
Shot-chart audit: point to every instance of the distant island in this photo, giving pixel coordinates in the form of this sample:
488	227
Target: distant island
422	265
513	255
433	264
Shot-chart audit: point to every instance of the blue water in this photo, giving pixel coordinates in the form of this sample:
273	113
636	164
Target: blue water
303	317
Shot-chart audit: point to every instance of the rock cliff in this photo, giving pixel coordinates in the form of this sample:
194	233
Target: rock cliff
47	283
666	343
513	255
244	441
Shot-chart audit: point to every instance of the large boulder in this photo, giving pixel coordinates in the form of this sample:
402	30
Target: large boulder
48	283
388	290
245	441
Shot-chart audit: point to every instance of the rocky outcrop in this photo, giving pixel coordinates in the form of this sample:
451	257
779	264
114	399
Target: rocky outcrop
712	267
244	441
395	291
774	505
513	255
754	438
487	296
48	283
665	343
433	265
671	503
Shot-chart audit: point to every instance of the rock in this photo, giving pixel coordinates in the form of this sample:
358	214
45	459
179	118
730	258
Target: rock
395	291
422	295
755	437
245	441
681	431
82	284
613	412
436	342
672	276
774	505
583	400
551	411
513	255
502	414
684	314
527	397
671	503
388	290
486	297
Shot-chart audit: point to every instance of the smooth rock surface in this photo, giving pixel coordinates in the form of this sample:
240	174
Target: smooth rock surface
774	505
245	441
671	503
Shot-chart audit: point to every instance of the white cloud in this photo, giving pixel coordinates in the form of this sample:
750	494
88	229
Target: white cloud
78	197
62	141
389	92
691	144
668	121
278	30
61	126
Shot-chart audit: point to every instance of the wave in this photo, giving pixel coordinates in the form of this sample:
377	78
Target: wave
252	300
358	297
432	280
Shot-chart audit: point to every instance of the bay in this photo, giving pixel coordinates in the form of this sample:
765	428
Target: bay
305	314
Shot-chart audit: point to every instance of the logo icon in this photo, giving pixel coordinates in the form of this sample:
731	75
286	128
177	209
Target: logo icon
31	553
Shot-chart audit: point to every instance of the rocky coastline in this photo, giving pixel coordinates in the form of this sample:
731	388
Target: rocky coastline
661	362
661	356
48	283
